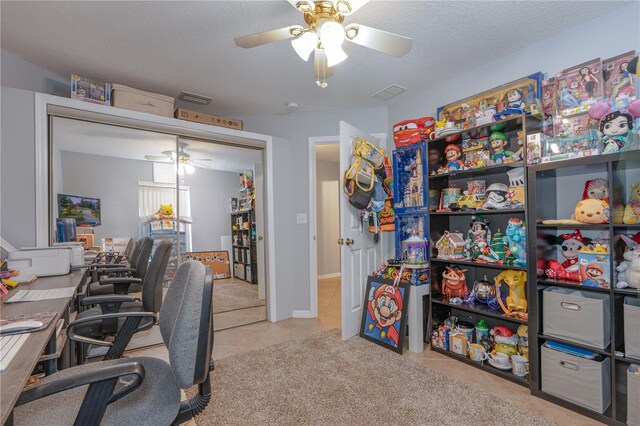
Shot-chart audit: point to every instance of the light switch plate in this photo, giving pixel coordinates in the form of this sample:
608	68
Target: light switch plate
301	218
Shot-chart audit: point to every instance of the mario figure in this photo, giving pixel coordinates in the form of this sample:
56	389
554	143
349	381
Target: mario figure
384	310
591	275
453	153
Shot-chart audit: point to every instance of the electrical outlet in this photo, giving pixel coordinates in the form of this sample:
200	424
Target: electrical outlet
301	218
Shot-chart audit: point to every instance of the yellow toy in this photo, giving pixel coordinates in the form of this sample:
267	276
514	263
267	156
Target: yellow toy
165	210
523	340
632	209
517	299
592	211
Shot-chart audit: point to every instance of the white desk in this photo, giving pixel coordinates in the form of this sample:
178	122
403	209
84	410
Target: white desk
415	320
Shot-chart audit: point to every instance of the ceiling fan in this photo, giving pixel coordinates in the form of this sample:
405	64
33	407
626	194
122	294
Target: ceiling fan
186	164
324	35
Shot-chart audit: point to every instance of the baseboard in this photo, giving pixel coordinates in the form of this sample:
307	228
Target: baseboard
301	314
325	276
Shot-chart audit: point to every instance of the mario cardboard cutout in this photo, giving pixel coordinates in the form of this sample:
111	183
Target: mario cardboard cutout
384	318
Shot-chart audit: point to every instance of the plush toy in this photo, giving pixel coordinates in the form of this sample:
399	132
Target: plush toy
629	268
478	237
454	282
505	341
592	211
516	192
523	340
515	239
632	209
165	210
570	244
410	132
516	301
453	154
597	189
615	126
496	197
498	142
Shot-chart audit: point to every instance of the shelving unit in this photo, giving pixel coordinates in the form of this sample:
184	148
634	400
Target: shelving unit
459	221
243	235
561	184
174	232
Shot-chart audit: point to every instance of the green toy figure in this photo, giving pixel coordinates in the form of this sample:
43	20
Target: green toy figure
498	141
498	246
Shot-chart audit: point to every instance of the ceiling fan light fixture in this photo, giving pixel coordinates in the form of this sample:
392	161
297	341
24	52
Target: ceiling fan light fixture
305	44
335	55
331	34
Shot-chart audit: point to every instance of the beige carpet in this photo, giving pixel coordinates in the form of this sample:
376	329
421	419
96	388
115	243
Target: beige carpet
231	294
322	380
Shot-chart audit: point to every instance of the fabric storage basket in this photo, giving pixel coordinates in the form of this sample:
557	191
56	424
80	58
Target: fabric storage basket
247	275
137	100
582	381
238	271
633	395
632	326
580	317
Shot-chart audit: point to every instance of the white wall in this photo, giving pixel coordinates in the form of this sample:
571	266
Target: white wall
20	74
328	215
609	35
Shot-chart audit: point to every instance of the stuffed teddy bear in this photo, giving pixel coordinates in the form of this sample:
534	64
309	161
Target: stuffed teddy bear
632	209
629	268
592	211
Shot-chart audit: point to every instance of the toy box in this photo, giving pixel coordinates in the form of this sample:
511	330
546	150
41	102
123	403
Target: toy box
476	152
440	337
572	126
582	145
595	270
619	84
534	148
579	87
410	174
407	225
549	97
87	90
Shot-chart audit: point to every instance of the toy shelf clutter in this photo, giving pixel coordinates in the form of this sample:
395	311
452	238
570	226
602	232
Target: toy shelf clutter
477	224
584	281
243	231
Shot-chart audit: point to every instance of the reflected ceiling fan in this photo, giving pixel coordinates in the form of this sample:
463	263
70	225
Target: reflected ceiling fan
186	164
324	34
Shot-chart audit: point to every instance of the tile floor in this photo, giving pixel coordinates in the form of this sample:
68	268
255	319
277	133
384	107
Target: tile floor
259	335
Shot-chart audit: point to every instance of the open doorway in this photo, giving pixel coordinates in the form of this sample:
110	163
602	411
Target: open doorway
328	232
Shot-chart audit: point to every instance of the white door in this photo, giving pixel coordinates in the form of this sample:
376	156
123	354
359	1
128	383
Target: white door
259	215
359	254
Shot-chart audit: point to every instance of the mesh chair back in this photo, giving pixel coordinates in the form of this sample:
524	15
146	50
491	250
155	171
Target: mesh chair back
186	323
142	262
152	284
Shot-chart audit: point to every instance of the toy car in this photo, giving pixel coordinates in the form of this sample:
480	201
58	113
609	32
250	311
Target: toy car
470	202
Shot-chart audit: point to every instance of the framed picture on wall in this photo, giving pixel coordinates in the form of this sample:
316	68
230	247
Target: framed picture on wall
218	261
384	318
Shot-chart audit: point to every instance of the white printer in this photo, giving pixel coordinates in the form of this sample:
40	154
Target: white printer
77	252
41	261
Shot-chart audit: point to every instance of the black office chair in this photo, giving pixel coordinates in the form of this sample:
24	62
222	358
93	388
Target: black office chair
108	258
151	300
114	283
138	390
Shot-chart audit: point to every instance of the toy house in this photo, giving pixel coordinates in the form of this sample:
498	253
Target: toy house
451	246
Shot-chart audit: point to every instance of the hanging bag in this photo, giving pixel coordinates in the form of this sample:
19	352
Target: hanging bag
368	151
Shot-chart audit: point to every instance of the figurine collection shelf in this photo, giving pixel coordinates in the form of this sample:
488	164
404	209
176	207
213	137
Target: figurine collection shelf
478	308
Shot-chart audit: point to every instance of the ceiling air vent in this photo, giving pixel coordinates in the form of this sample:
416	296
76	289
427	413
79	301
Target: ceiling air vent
390	92
195	98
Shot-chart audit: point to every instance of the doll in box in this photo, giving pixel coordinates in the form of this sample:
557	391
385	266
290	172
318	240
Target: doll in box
453	154
499	141
515	104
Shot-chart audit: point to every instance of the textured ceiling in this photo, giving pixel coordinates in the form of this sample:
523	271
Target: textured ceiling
121	142
167	47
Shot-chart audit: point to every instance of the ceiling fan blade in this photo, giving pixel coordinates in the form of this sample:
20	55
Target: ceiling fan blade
201	159
349	7
383	41
320	64
303	6
158	158
265	37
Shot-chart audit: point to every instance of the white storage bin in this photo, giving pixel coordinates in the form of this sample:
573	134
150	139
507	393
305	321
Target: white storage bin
137	100
578	316
582	381
238	271
633	396
632	326
248	275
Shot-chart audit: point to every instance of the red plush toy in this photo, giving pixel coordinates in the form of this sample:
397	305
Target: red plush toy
410	132
570	245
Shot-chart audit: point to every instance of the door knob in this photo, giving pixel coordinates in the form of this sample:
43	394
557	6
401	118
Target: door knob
340	241
349	241
260	238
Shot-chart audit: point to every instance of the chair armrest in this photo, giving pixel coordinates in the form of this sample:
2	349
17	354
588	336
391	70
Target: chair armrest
109	298
120	280
71	334
83	378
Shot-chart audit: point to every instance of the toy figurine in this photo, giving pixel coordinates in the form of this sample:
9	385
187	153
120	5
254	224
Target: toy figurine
496	197
570	245
435	159
498	142
588	80
478	237
632	209
453	154
629	268
523	340
516	302
505	341
454	282
615	126
515	104
515	240
597	189
516	192
484	290
498	246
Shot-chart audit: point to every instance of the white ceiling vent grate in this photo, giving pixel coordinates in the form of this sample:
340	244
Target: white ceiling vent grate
390	92
195	98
